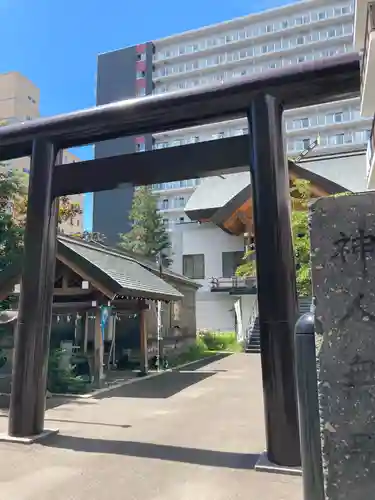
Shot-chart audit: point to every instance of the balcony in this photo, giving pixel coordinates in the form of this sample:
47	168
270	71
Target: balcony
370	158
234	285
368	65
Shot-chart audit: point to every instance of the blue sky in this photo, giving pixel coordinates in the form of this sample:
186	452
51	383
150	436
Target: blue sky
55	43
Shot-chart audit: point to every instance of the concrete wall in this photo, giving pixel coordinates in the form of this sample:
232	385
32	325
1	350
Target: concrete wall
348	170
178	321
116	80
215	311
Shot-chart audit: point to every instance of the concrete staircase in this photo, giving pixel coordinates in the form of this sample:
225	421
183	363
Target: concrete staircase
253	346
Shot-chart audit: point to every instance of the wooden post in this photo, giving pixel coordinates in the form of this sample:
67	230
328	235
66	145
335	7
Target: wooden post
98	351
144	344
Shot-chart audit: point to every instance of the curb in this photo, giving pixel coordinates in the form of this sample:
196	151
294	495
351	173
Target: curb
131	381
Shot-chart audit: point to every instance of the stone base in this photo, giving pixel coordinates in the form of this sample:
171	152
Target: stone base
6	438
264	465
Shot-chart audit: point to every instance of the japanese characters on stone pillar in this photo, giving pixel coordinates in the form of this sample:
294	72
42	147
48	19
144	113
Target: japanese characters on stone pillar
343	272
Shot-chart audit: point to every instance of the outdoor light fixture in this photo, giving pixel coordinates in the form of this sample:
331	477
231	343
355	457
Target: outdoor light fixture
85	285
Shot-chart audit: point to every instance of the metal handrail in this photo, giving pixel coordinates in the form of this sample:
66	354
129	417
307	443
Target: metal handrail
233	282
253	318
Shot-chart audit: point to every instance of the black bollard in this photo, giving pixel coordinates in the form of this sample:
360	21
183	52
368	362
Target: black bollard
308	408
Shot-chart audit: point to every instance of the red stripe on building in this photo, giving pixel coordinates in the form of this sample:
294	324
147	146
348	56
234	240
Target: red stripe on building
141	83
139	140
140	66
140	48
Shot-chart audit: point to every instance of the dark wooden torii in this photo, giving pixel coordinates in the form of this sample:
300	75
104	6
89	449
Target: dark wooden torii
262	100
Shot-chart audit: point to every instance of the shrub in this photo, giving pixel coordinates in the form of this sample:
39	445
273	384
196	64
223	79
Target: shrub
60	380
219	341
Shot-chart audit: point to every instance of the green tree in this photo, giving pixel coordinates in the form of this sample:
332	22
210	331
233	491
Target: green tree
300	195
148	235
13	206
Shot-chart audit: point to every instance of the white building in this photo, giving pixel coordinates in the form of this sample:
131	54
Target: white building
364	42
242	47
239	48
210	252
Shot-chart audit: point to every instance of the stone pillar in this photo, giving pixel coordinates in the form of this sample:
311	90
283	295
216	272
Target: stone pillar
276	278
27	404
343	272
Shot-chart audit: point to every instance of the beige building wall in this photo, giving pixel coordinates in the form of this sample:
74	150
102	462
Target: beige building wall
19	101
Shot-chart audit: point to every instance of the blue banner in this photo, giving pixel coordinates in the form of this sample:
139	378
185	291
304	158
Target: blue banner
105	312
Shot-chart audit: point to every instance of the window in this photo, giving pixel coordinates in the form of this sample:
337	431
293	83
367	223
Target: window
140	146
338	117
331	33
300	40
304	122
140	74
141	56
306	143
165	203
339	139
181	220
141	92
322	15
193	266
230	262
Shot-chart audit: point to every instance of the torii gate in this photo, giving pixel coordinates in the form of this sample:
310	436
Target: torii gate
262	100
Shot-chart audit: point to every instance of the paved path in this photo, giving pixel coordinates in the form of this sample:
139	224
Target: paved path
189	435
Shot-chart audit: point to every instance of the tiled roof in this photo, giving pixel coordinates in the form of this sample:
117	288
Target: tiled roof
126	275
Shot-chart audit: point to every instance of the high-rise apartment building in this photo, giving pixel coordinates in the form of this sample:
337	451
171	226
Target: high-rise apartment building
364	43
19	101
290	35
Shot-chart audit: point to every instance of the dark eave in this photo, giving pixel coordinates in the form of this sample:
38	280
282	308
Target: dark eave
219	214
113	273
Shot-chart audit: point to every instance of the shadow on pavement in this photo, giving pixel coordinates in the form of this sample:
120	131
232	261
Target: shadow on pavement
167	384
161	387
67	421
197	365
169	453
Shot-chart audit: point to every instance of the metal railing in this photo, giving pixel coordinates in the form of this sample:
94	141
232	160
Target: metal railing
253	318
370	27
232	283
